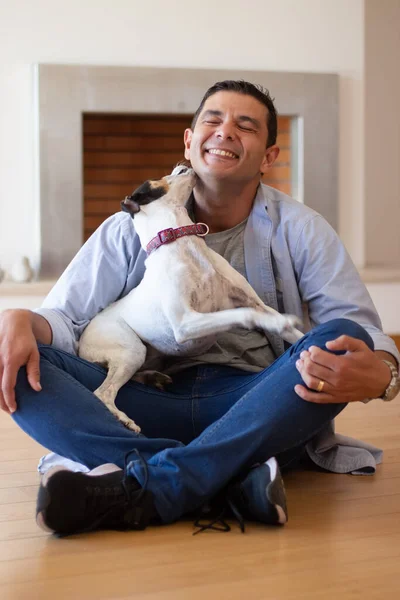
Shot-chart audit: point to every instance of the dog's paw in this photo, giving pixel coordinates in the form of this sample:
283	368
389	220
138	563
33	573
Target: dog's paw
153	379
288	328
290	321
129	424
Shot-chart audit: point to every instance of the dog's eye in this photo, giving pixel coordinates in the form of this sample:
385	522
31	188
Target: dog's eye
179	170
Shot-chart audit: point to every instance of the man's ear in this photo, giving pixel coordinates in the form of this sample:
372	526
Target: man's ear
187	139
270	156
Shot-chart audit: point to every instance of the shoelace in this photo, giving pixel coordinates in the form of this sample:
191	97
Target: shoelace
218	523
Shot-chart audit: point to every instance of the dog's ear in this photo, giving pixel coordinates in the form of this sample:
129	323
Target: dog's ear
129	206
146	193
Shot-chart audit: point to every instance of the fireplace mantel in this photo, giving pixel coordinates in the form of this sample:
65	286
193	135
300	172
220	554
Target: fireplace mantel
64	92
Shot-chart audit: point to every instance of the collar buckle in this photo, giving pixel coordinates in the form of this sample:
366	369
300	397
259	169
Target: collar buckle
167	235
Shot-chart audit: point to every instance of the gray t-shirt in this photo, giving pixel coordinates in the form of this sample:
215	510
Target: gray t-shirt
244	349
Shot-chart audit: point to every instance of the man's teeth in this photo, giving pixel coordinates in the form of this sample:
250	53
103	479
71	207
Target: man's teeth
222	153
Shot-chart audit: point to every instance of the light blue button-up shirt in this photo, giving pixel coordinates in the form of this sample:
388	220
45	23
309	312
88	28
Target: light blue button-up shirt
294	260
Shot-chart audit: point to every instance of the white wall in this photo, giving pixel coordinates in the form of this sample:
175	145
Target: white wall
290	35
382	133
287	35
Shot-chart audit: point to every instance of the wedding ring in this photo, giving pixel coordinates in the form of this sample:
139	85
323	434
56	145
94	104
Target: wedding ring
320	385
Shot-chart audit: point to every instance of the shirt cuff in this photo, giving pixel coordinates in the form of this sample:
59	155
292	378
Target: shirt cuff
389	347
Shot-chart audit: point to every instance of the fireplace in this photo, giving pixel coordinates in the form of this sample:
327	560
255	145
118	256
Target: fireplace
121	151
75	179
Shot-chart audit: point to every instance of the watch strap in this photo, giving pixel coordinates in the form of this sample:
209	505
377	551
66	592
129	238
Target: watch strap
394	385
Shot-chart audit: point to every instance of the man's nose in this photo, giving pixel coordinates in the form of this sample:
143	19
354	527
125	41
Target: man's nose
226	131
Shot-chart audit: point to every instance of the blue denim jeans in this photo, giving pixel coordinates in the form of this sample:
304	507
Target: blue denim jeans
213	423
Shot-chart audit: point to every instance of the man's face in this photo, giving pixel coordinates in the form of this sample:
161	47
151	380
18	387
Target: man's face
229	139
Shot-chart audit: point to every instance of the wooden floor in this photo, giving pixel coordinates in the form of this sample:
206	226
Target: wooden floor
342	539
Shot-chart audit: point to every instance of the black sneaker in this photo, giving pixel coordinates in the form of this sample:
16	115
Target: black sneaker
261	496
105	498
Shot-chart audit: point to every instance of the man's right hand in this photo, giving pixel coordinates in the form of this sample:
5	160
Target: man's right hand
18	348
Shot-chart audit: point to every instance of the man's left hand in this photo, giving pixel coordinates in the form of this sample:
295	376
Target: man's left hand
351	377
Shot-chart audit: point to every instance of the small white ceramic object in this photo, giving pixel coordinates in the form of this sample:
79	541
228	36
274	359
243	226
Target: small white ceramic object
21	271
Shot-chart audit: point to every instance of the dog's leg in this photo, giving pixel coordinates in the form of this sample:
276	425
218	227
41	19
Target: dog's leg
117	376
237	292
196	325
116	346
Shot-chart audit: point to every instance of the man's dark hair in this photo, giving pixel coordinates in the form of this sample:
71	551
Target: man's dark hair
249	89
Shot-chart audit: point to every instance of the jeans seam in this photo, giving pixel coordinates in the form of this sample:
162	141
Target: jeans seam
193	417
195	398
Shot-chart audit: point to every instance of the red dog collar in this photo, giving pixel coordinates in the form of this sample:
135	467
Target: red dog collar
166	236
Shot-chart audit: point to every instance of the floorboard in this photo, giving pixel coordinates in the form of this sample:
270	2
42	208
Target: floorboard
342	539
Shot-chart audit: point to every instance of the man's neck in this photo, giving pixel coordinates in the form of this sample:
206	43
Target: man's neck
223	207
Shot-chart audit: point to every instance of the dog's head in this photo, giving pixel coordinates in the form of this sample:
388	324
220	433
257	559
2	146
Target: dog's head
173	189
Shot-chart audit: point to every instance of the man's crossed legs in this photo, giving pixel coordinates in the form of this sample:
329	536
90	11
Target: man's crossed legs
211	427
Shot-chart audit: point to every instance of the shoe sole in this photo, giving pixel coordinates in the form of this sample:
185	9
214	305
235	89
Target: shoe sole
44	498
275	491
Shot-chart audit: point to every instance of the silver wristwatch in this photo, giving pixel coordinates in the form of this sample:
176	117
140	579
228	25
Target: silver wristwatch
394	385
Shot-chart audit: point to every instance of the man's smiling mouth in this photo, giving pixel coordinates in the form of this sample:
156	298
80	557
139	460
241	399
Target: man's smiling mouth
219	152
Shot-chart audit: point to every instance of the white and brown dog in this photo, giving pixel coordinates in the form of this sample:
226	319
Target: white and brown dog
188	294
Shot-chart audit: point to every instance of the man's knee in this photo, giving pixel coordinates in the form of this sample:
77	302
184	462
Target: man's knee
47	353
337	327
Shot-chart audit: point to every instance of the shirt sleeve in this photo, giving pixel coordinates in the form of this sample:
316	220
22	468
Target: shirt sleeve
95	278
330	284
